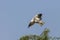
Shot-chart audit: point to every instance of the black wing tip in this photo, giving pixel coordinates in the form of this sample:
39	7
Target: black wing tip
28	26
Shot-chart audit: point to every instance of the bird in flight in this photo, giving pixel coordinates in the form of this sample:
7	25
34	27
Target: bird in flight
36	19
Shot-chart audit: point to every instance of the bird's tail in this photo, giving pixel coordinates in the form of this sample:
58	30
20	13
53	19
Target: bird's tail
41	23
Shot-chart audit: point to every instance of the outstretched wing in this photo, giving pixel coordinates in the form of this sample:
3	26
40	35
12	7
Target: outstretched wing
31	23
41	23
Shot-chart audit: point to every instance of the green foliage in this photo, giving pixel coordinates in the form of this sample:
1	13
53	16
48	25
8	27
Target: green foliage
24	38
43	36
33	37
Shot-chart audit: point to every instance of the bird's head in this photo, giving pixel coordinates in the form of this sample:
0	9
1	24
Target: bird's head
40	14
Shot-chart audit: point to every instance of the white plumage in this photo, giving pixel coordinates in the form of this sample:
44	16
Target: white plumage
36	19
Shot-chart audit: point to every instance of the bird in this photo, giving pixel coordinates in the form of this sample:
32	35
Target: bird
36	19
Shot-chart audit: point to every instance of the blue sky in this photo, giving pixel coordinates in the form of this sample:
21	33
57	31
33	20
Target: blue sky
15	16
